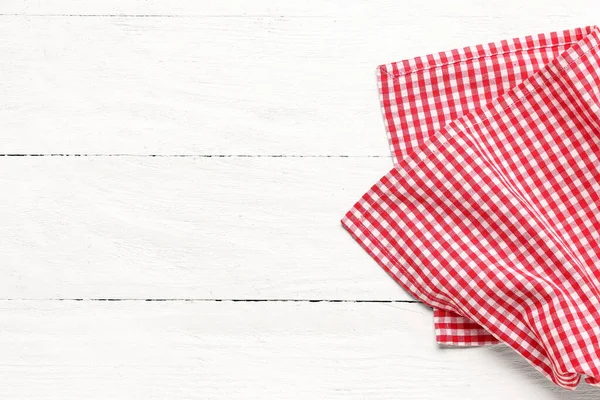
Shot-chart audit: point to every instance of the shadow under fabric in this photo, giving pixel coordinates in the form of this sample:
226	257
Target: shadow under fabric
491	212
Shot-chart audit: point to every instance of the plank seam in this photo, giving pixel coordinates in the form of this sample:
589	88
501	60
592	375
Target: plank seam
161	15
191	155
217	300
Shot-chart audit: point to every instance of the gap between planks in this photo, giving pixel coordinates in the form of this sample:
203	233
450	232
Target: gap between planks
220	300
163	15
191	155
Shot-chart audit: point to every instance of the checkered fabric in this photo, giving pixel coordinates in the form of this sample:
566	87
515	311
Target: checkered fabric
490	214
420	95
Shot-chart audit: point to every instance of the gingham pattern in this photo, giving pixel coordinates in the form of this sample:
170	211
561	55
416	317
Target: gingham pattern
419	96
495	216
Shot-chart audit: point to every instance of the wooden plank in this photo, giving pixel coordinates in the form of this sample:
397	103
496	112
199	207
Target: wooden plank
137	227
219	85
305	8
226	350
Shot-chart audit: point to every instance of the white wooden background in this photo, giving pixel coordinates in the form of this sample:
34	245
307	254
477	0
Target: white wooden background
199	154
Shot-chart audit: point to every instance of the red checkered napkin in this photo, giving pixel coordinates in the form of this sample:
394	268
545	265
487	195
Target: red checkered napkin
421	95
490	214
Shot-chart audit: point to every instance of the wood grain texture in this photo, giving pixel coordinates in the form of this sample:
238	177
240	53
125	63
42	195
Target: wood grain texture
356	8
138	227
187	350
229	77
252	82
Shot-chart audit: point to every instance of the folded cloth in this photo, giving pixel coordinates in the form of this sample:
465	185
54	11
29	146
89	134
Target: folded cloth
490	214
420	95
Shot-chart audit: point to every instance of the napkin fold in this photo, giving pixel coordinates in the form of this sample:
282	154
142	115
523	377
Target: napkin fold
490	214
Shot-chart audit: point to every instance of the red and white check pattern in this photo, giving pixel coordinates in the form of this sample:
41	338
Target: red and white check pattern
490	214
421	95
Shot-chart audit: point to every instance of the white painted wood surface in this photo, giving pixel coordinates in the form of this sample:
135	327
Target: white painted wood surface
231	350
172	227
223	82
290	87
